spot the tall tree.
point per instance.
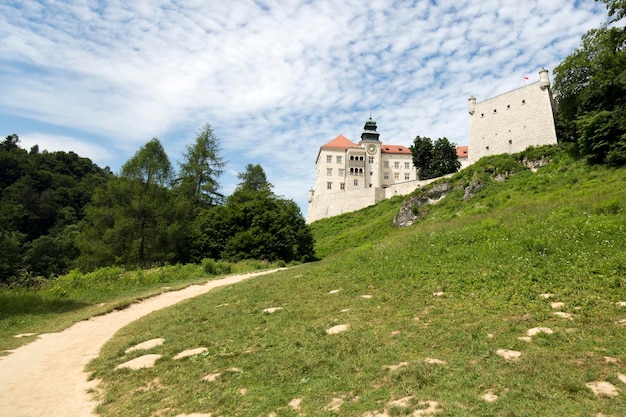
(133, 220)
(590, 86)
(201, 168)
(254, 224)
(434, 159)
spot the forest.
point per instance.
(60, 211)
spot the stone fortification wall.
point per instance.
(333, 204)
(513, 121)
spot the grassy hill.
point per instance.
(416, 320)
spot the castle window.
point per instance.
(396, 175)
(370, 160)
(407, 176)
(356, 183)
(361, 158)
(396, 165)
(329, 171)
(329, 185)
(342, 172)
(329, 158)
(482, 115)
(523, 101)
(386, 176)
(406, 165)
(360, 171)
(508, 106)
(338, 159)
(342, 185)
(386, 164)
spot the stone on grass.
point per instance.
(602, 389)
(609, 359)
(149, 344)
(536, 330)
(195, 415)
(438, 294)
(334, 404)
(272, 310)
(621, 304)
(525, 338)
(145, 361)
(295, 403)
(368, 296)
(190, 352)
(333, 291)
(395, 367)
(211, 377)
(509, 355)
(19, 336)
(563, 315)
(489, 396)
(557, 304)
(433, 361)
(621, 377)
(337, 329)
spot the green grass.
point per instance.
(560, 230)
(56, 304)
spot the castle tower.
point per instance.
(369, 131)
(513, 121)
(544, 82)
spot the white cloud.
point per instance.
(53, 143)
(275, 79)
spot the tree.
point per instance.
(616, 8)
(253, 179)
(254, 224)
(133, 220)
(201, 168)
(590, 86)
(434, 159)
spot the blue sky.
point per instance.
(275, 79)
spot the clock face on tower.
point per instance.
(371, 149)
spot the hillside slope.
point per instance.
(511, 302)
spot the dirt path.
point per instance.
(47, 377)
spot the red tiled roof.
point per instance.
(340, 142)
(395, 149)
(461, 151)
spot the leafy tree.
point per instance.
(201, 168)
(253, 179)
(133, 220)
(434, 159)
(590, 86)
(41, 194)
(254, 224)
(150, 165)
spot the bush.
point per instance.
(213, 267)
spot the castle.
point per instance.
(350, 176)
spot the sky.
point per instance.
(276, 79)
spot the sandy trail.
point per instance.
(47, 377)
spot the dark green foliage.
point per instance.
(434, 159)
(590, 86)
(200, 170)
(41, 194)
(133, 220)
(254, 224)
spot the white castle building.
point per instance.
(350, 176)
(513, 121)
